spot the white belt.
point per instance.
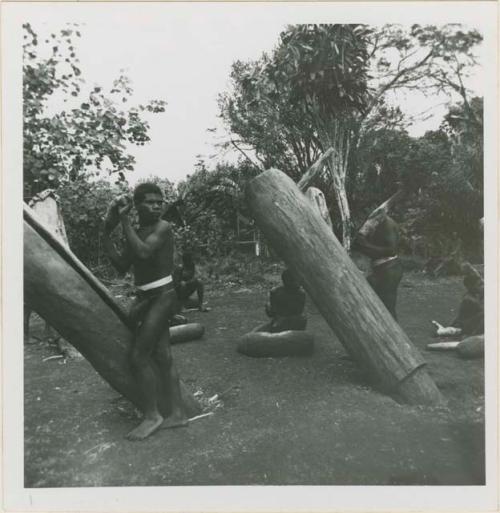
(380, 261)
(155, 284)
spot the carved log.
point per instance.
(260, 344)
(186, 332)
(342, 295)
(317, 198)
(68, 296)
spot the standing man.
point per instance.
(378, 239)
(149, 249)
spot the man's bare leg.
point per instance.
(170, 384)
(147, 338)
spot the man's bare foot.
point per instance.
(173, 421)
(204, 309)
(145, 428)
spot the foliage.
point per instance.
(457, 194)
(91, 132)
(382, 165)
(280, 102)
(427, 58)
(208, 204)
(83, 206)
(332, 86)
(303, 99)
(443, 170)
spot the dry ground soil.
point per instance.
(288, 421)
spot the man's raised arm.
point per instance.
(121, 261)
(147, 247)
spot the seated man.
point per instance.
(286, 306)
(186, 284)
(470, 317)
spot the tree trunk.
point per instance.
(338, 138)
(344, 298)
(66, 294)
(345, 213)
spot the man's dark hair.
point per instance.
(145, 188)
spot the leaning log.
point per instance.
(343, 296)
(317, 198)
(71, 299)
(314, 171)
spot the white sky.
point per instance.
(182, 54)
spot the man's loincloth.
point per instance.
(145, 298)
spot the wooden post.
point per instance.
(68, 296)
(317, 198)
(314, 171)
(351, 308)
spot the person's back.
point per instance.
(286, 306)
(287, 302)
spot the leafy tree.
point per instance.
(459, 192)
(379, 169)
(331, 85)
(207, 207)
(83, 205)
(303, 99)
(93, 130)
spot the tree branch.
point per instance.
(246, 156)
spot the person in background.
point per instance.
(186, 284)
(286, 306)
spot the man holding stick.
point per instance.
(378, 239)
(149, 250)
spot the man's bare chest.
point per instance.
(143, 232)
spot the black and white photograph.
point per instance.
(249, 256)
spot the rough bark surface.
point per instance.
(317, 198)
(66, 294)
(341, 293)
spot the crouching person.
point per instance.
(149, 249)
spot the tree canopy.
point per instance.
(333, 86)
(93, 128)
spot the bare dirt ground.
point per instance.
(309, 421)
